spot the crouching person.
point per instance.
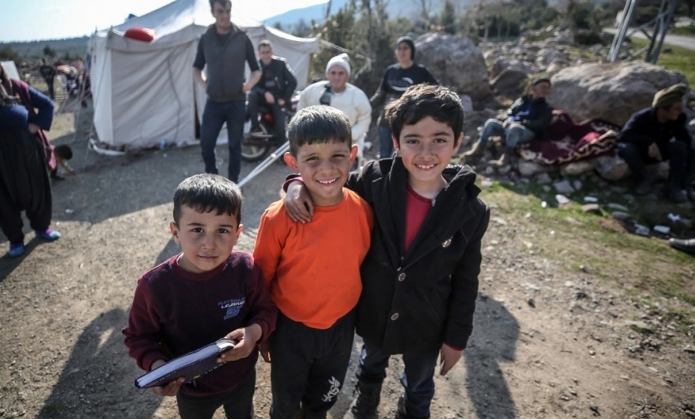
(656, 134)
(528, 119)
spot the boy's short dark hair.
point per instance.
(207, 193)
(265, 43)
(318, 124)
(63, 151)
(425, 100)
(222, 2)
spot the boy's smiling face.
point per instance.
(324, 168)
(426, 148)
(206, 238)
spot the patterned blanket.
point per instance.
(570, 142)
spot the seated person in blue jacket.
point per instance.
(273, 90)
(527, 119)
(656, 134)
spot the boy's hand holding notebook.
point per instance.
(186, 367)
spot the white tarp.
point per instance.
(145, 92)
(11, 69)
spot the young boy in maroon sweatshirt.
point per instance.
(204, 293)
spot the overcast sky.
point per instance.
(27, 20)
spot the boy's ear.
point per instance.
(396, 146)
(458, 142)
(238, 232)
(291, 161)
(175, 232)
(353, 153)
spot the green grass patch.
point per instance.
(596, 242)
(673, 58)
(686, 30)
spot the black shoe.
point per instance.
(367, 401)
(402, 413)
(55, 176)
(687, 246)
(645, 186)
(255, 131)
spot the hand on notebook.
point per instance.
(170, 389)
(246, 339)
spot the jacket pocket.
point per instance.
(435, 303)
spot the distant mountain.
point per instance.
(33, 50)
(407, 8)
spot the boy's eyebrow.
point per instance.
(436, 134)
(203, 225)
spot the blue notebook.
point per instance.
(190, 366)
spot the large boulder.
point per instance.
(510, 83)
(609, 91)
(456, 61)
(503, 63)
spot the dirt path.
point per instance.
(550, 341)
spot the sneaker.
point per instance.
(402, 413)
(16, 250)
(687, 246)
(676, 194)
(56, 176)
(366, 403)
(504, 160)
(256, 131)
(475, 152)
(645, 186)
(48, 234)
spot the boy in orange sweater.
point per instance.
(313, 269)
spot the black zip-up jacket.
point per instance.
(544, 115)
(280, 75)
(416, 301)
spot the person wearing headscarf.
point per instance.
(338, 93)
(397, 79)
(25, 159)
(528, 119)
(656, 134)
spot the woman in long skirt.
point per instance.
(25, 158)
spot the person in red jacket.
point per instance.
(204, 293)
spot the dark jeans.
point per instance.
(385, 142)
(279, 113)
(417, 378)
(237, 403)
(677, 152)
(51, 92)
(308, 366)
(214, 116)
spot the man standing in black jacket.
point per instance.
(273, 90)
(655, 134)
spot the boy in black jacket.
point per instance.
(420, 277)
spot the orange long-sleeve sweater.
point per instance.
(313, 269)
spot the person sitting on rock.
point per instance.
(527, 119)
(656, 134)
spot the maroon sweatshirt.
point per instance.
(175, 311)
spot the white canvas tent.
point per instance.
(145, 92)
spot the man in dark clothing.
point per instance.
(222, 50)
(274, 90)
(528, 119)
(397, 79)
(48, 72)
(655, 134)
